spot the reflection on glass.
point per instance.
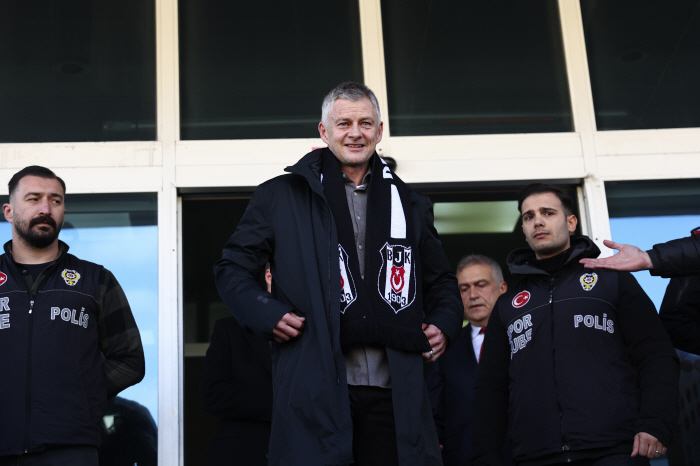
(77, 71)
(643, 61)
(120, 233)
(261, 69)
(474, 67)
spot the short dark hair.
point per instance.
(33, 170)
(539, 188)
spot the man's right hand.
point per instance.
(289, 326)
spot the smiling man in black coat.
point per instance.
(362, 295)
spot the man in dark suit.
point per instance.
(236, 386)
(450, 380)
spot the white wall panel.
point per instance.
(494, 169)
(650, 167)
(420, 159)
(650, 142)
(81, 154)
(100, 180)
(244, 152)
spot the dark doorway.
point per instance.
(469, 220)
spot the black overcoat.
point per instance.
(289, 223)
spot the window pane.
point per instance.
(252, 70)
(120, 233)
(474, 67)
(74, 71)
(643, 60)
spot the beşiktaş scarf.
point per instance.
(386, 308)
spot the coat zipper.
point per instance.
(28, 398)
(330, 272)
(565, 447)
(30, 337)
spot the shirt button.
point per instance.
(24, 271)
(355, 193)
(358, 217)
(360, 246)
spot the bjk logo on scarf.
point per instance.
(397, 281)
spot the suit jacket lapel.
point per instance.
(470, 350)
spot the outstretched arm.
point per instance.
(629, 259)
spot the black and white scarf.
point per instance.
(386, 307)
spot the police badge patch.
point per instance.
(588, 280)
(71, 277)
(348, 293)
(397, 280)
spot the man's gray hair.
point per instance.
(348, 91)
(478, 259)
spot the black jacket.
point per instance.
(450, 384)
(236, 386)
(680, 313)
(68, 344)
(680, 309)
(575, 363)
(676, 258)
(289, 222)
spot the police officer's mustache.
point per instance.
(43, 219)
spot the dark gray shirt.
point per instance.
(366, 365)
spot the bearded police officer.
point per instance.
(356, 262)
(575, 364)
(67, 336)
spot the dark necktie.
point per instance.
(481, 332)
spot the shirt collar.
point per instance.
(475, 331)
(365, 179)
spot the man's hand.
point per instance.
(437, 340)
(629, 259)
(289, 326)
(647, 445)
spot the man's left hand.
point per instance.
(647, 445)
(437, 339)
